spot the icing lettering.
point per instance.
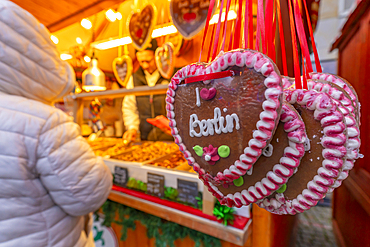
(210, 126)
(198, 99)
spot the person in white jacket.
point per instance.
(50, 180)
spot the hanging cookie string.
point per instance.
(282, 39)
(211, 44)
(302, 35)
(317, 61)
(210, 10)
(261, 32)
(225, 24)
(268, 26)
(217, 35)
(297, 72)
(236, 41)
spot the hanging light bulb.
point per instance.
(118, 16)
(110, 15)
(85, 23)
(79, 40)
(93, 78)
(87, 59)
(54, 39)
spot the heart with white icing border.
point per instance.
(122, 69)
(190, 17)
(243, 115)
(324, 160)
(164, 59)
(141, 24)
(273, 169)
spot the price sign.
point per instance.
(120, 176)
(187, 191)
(155, 185)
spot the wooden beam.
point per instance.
(78, 15)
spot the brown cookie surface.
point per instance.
(241, 95)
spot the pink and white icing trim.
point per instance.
(334, 153)
(268, 117)
(296, 132)
(353, 143)
(343, 84)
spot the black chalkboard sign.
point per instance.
(187, 191)
(155, 185)
(120, 175)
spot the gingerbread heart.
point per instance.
(245, 109)
(140, 25)
(164, 60)
(122, 69)
(324, 157)
(273, 168)
(189, 17)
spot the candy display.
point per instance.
(148, 151)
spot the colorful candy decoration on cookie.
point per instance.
(324, 158)
(273, 169)
(236, 97)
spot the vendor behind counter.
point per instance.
(137, 109)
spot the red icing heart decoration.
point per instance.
(140, 25)
(246, 110)
(208, 94)
(189, 17)
(164, 59)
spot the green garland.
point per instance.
(164, 232)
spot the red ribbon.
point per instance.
(210, 47)
(297, 73)
(250, 23)
(269, 23)
(215, 44)
(317, 61)
(225, 24)
(261, 34)
(282, 39)
(211, 76)
(302, 35)
(210, 10)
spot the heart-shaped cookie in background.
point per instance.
(122, 69)
(324, 157)
(243, 114)
(189, 17)
(141, 24)
(176, 40)
(164, 59)
(273, 169)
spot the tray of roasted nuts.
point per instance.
(173, 160)
(147, 152)
(104, 143)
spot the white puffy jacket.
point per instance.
(49, 177)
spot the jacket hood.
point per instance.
(30, 65)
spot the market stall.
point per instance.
(157, 198)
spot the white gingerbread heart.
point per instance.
(164, 59)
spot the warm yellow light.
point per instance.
(164, 31)
(230, 16)
(85, 23)
(79, 40)
(110, 15)
(93, 88)
(54, 39)
(65, 56)
(118, 16)
(112, 43)
(158, 32)
(87, 59)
